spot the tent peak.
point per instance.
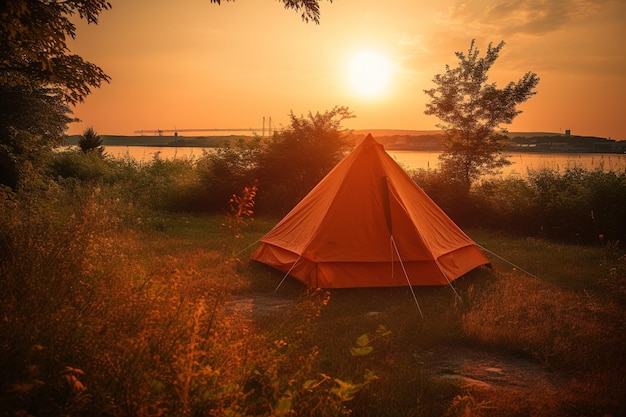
(369, 141)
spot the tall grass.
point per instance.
(112, 306)
(103, 318)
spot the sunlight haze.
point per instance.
(194, 64)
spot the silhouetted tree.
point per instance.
(34, 50)
(310, 8)
(472, 112)
(39, 76)
(90, 141)
(33, 121)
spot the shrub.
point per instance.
(449, 194)
(225, 172)
(166, 184)
(580, 205)
(87, 167)
(508, 204)
(576, 205)
(293, 161)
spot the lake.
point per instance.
(413, 159)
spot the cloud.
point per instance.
(523, 17)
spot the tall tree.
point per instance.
(33, 120)
(34, 49)
(472, 111)
(40, 77)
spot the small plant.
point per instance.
(240, 211)
(468, 406)
(364, 342)
(616, 281)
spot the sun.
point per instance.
(369, 73)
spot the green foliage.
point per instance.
(297, 158)
(286, 167)
(39, 77)
(86, 167)
(167, 184)
(22, 158)
(581, 205)
(229, 169)
(364, 342)
(448, 192)
(34, 50)
(310, 8)
(574, 205)
(471, 111)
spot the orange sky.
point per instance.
(193, 64)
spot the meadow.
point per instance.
(115, 302)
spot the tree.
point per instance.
(296, 159)
(40, 78)
(34, 50)
(90, 141)
(472, 112)
(310, 8)
(33, 121)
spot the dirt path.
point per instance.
(259, 303)
(495, 381)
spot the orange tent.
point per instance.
(367, 224)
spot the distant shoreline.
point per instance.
(397, 140)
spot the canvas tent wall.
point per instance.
(366, 224)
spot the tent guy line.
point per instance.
(507, 261)
(393, 243)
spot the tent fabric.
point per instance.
(363, 225)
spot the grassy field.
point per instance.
(165, 315)
(562, 329)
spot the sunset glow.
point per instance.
(196, 64)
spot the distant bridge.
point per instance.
(160, 132)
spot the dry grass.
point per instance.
(112, 311)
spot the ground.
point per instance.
(491, 381)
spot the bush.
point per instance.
(580, 205)
(87, 167)
(285, 167)
(509, 204)
(225, 172)
(295, 160)
(449, 194)
(170, 184)
(576, 205)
